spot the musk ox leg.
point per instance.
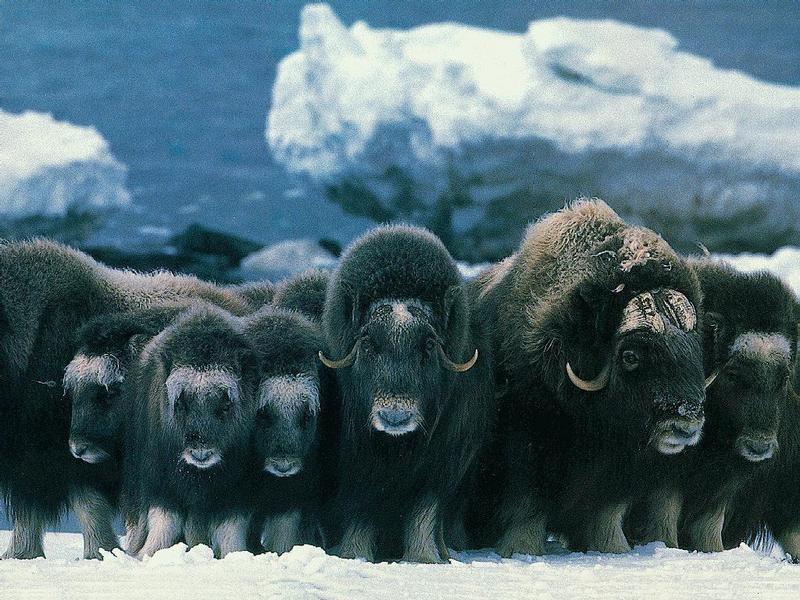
(136, 535)
(283, 532)
(441, 545)
(164, 529)
(524, 527)
(704, 533)
(230, 536)
(359, 541)
(420, 539)
(789, 540)
(26, 537)
(456, 532)
(604, 530)
(196, 531)
(663, 515)
(95, 513)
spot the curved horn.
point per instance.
(593, 385)
(457, 367)
(342, 362)
(710, 379)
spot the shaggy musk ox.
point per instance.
(47, 292)
(187, 446)
(304, 293)
(256, 293)
(598, 356)
(287, 486)
(749, 344)
(415, 393)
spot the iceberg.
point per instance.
(50, 168)
(476, 132)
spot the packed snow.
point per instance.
(286, 258)
(651, 571)
(49, 167)
(510, 125)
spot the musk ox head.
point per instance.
(749, 342)
(206, 377)
(622, 343)
(289, 404)
(396, 319)
(94, 378)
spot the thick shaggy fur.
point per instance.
(255, 293)
(304, 293)
(47, 292)
(566, 460)
(288, 486)
(398, 490)
(193, 387)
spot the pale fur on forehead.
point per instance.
(103, 369)
(400, 308)
(287, 392)
(195, 381)
(773, 347)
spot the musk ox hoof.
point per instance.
(428, 558)
(511, 545)
(22, 553)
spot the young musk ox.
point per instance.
(47, 292)
(414, 387)
(305, 293)
(187, 447)
(599, 360)
(287, 486)
(748, 349)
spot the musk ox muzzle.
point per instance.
(84, 450)
(201, 458)
(283, 467)
(395, 414)
(756, 448)
(672, 436)
(648, 311)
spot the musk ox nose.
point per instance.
(201, 455)
(395, 417)
(284, 467)
(78, 448)
(673, 435)
(686, 430)
(757, 449)
(202, 458)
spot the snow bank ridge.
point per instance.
(48, 167)
(571, 107)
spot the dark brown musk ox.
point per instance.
(749, 344)
(416, 394)
(304, 292)
(187, 445)
(47, 292)
(598, 358)
(288, 486)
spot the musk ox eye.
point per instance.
(630, 360)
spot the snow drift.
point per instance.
(50, 167)
(476, 132)
(284, 259)
(306, 572)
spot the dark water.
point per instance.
(181, 89)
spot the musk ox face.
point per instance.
(205, 407)
(93, 384)
(750, 389)
(398, 366)
(653, 379)
(286, 422)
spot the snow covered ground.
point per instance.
(505, 126)
(48, 167)
(306, 572)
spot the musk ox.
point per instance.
(47, 292)
(287, 485)
(187, 446)
(598, 358)
(415, 393)
(750, 337)
(304, 293)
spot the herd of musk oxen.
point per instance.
(595, 387)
